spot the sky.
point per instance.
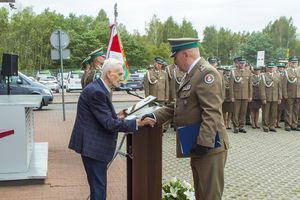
(237, 15)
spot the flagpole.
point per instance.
(116, 16)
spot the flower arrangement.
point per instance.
(178, 191)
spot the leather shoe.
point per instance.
(295, 129)
(243, 130)
(266, 130)
(235, 131)
(273, 129)
(298, 125)
(249, 123)
(254, 127)
(287, 129)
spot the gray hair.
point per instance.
(110, 64)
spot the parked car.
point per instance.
(135, 82)
(74, 80)
(50, 82)
(65, 79)
(42, 73)
(21, 84)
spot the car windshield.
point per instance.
(77, 76)
(48, 78)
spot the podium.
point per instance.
(144, 164)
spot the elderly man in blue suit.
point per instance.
(97, 125)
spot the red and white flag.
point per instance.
(115, 50)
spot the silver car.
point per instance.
(50, 82)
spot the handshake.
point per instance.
(147, 121)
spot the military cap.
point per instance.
(280, 65)
(271, 64)
(228, 68)
(85, 61)
(159, 60)
(293, 59)
(256, 67)
(213, 59)
(165, 63)
(247, 63)
(236, 59)
(242, 59)
(221, 67)
(150, 67)
(178, 44)
(98, 52)
(90, 60)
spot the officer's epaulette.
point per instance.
(202, 68)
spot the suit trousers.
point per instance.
(291, 114)
(208, 175)
(97, 177)
(239, 113)
(269, 113)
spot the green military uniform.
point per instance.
(88, 60)
(95, 71)
(178, 77)
(248, 117)
(227, 105)
(256, 102)
(240, 88)
(291, 89)
(216, 59)
(199, 100)
(270, 90)
(281, 106)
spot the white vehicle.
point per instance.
(65, 79)
(42, 73)
(50, 82)
(74, 80)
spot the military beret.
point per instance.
(159, 60)
(293, 59)
(271, 64)
(178, 44)
(98, 52)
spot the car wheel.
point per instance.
(67, 90)
(40, 107)
(57, 91)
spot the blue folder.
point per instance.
(188, 138)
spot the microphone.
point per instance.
(123, 89)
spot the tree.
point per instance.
(154, 31)
(186, 30)
(170, 29)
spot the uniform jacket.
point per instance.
(240, 85)
(96, 126)
(160, 88)
(272, 93)
(226, 83)
(83, 81)
(175, 80)
(255, 85)
(91, 76)
(292, 90)
(223, 84)
(199, 100)
(170, 70)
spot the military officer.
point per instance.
(227, 106)
(156, 83)
(281, 107)
(255, 104)
(199, 100)
(213, 61)
(291, 94)
(150, 67)
(98, 58)
(221, 69)
(164, 66)
(236, 62)
(240, 89)
(270, 95)
(85, 67)
(248, 119)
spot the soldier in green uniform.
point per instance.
(248, 118)
(240, 88)
(270, 95)
(227, 107)
(236, 62)
(85, 67)
(291, 94)
(213, 61)
(150, 67)
(255, 104)
(164, 66)
(98, 57)
(221, 69)
(281, 107)
(156, 83)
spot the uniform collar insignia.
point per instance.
(186, 88)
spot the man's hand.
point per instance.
(146, 122)
(285, 97)
(148, 115)
(199, 150)
(122, 114)
(249, 99)
(279, 101)
(232, 99)
(264, 101)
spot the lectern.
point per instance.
(144, 164)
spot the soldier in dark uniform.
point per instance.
(281, 107)
(227, 107)
(98, 57)
(270, 94)
(255, 105)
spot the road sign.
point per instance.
(260, 58)
(55, 55)
(64, 37)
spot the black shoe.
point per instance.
(229, 128)
(287, 129)
(295, 129)
(266, 130)
(277, 126)
(254, 127)
(249, 123)
(163, 131)
(172, 125)
(273, 129)
(298, 125)
(235, 131)
(242, 130)
(258, 127)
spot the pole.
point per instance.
(62, 74)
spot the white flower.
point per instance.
(173, 180)
(186, 185)
(189, 195)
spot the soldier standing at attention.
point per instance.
(236, 62)
(281, 107)
(98, 57)
(156, 83)
(240, 89)
(248, 118)
(85, 67)
(199, 100)
(255, 104)
(270, 94)
(227, 106)
(291, 94)
(213, 61)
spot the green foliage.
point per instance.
(178, 191)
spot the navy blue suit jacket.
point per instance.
(96, 126)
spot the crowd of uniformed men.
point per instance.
(246, 89)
